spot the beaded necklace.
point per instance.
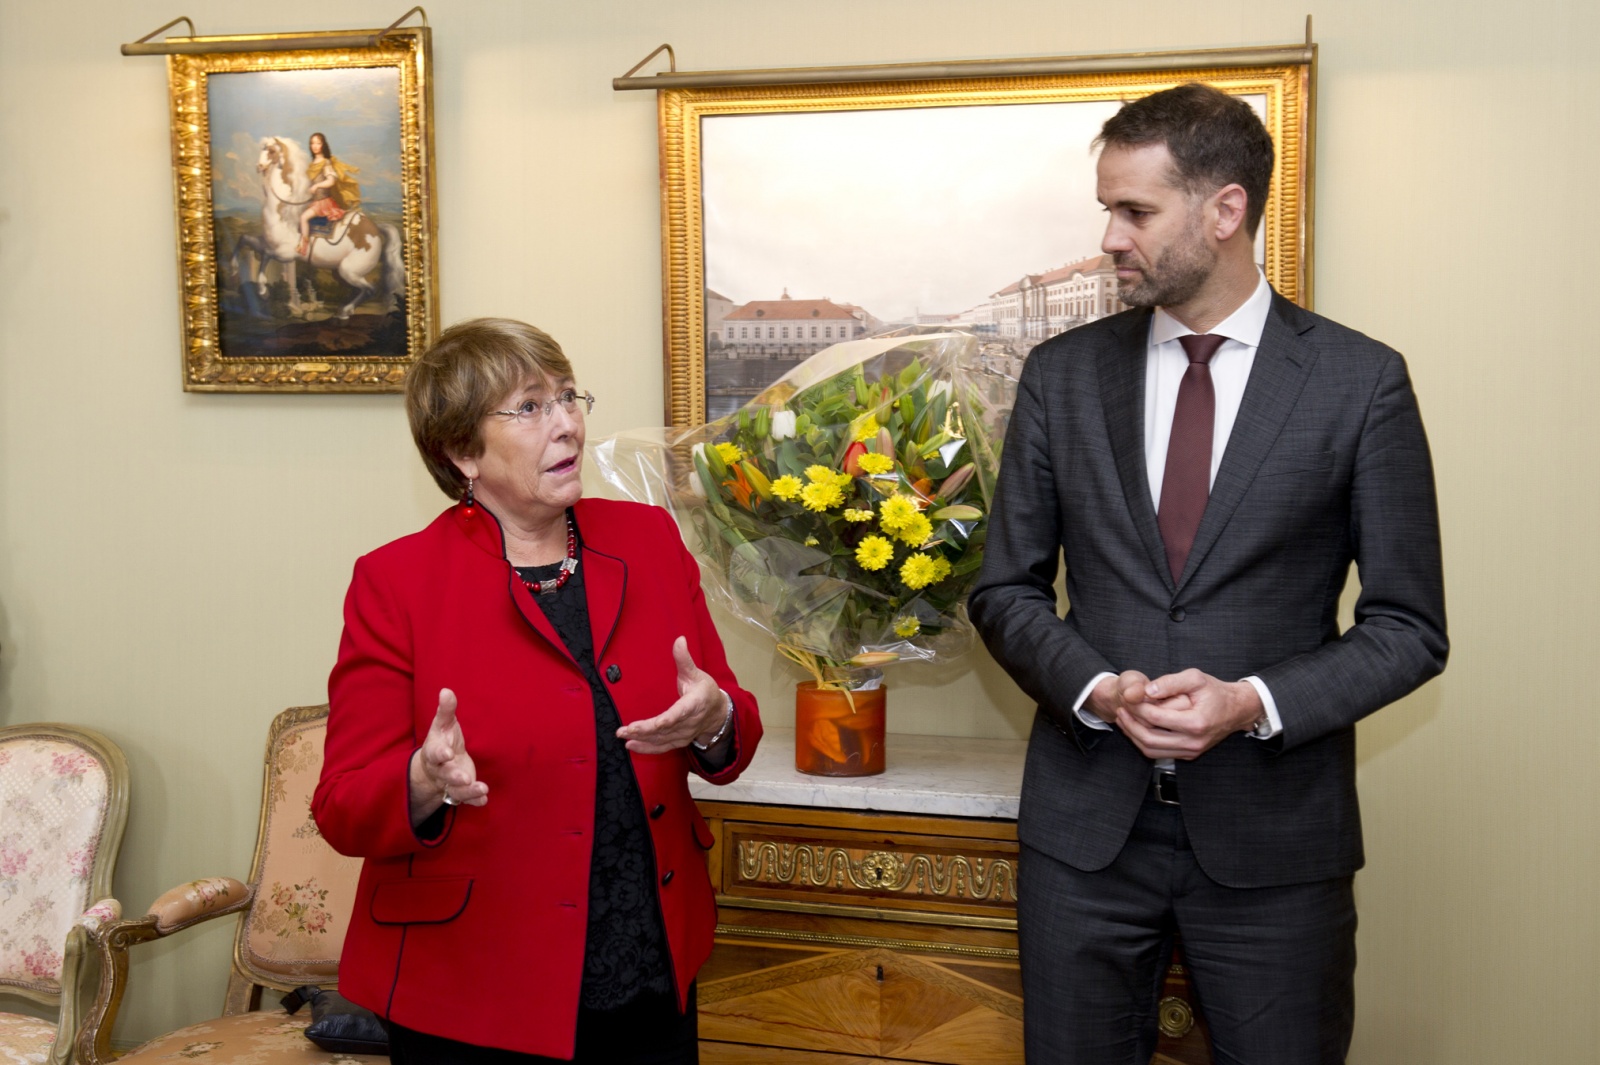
(568, 564)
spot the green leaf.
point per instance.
(967, 565)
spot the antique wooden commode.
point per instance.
(873, 919)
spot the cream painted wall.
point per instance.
(171, 565)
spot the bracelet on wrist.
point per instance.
(722, 729)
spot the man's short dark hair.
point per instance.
(1215, 140)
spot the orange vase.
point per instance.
(832, 738)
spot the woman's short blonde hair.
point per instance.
(471, 369)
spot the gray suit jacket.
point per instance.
(1327, 465)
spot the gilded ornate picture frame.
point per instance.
(853, 208)
(305, 210)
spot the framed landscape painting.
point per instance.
(795, 216)
(306, 227)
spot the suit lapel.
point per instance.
(1122, 379)
(1283, 362)
(604, 580)
(534, 615)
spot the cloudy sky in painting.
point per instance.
(924, 210)
(358, 111)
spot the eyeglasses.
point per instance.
(533, 411)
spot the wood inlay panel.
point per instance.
(860, 938)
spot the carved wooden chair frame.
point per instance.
(190, 904)
(69, 1000)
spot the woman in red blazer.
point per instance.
(522, 690)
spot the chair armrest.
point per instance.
(70, 1016)
(183, 906)
(100, 914)
(196, 901)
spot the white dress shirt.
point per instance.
(1165, 365)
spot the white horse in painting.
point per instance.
(365, 244)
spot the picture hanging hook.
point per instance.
(159, 29)
(396, 23)
(672, 61)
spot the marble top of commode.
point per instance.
(946, 775)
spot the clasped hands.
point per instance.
(443, 773)
(1179, 716)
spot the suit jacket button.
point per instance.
(666, 878)
(657, 810)
(613, 673)
(1177, 614)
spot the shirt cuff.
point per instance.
(1273, 725)
(1087, 716)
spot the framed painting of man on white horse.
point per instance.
(306, 229)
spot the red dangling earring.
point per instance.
(469, 510)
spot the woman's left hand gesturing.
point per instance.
(699, 712)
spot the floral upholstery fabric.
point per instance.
(24, 1040)
(302, 908)
(269, 1036)
(53, 806)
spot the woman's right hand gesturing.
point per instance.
(442, 772)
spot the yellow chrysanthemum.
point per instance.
(821, 495)
(918, 572)
(857, 515)
(729, 453)
(819, 474)
(874, 553)
(874, 463)
(941, 568)
(786, 488)
(867, 429)
(907, 627)
(916, 530)
(896, 511)
(811, 541)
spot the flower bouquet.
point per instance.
(843, 511)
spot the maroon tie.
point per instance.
(1187, 482)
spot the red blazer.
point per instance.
(478, 935)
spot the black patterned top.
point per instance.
(625, 951)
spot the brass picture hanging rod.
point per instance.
(286, 42)
(1267, 55)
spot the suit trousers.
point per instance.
(1272, 968)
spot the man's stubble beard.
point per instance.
(1174, 278)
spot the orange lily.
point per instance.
(739, 487)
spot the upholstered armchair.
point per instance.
(294, 910)
(63, 807)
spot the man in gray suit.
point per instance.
(1207, 466)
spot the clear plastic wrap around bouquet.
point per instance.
(843, 510)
